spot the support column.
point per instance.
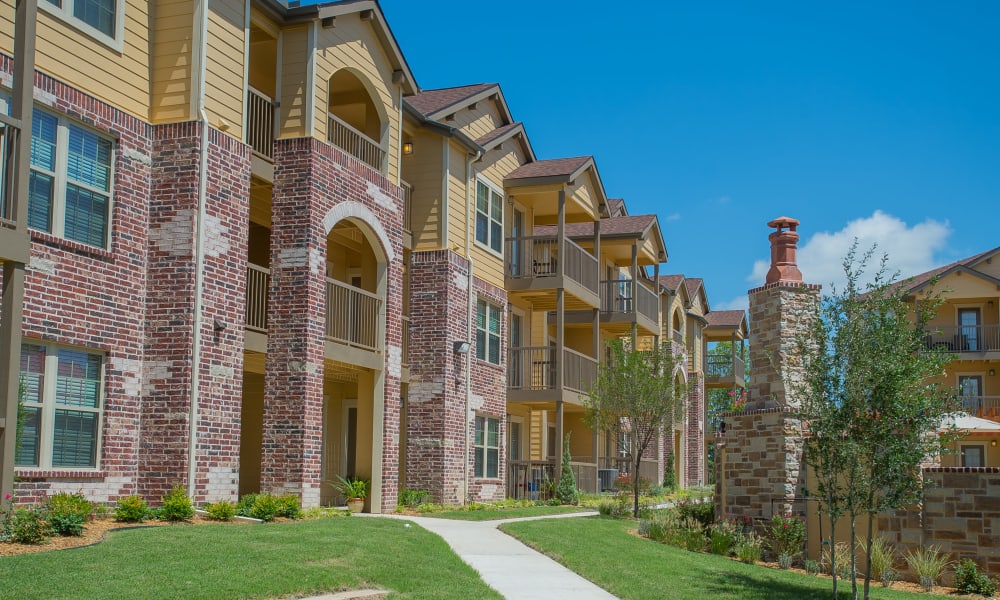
(10, 367)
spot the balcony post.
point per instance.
(561, 233)
(559, 439)
(635, 289)
(659, 312)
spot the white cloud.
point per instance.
(911, 250)
(737, 303)
(672, 217)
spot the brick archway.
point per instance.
(355, 210)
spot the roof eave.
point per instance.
(444, 130)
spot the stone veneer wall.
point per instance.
(960, 513)
(91, 298)
(758, 464)
(315, 186)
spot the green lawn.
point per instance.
(512, 512)
(248, 561)
(634, 568)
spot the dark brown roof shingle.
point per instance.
(725, 318)
(429, 102)
(549, 168)
(623, 226)
(499, 131)
(671, 282)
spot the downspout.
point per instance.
(469, 159)
(200, 49)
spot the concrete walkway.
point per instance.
(507, 565)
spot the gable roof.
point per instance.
(568, 168)
(726, 318)
(431, 102)
(671, 282)
(501, 134)
(628, 227)
(966, 265)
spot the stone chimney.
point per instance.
(784, 242)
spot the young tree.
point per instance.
(567, 493)
(636, 395)
(868, 399)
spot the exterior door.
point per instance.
(970, 390)
(969, 327)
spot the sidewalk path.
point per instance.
(507, 565)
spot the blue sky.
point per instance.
(872, 119)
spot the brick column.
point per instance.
(695, 433)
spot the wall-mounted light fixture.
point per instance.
(993, 372)
(993, 443)
(461, 347)
(407, 147)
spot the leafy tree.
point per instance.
(634, 398)
(868, 400)
(566, 492)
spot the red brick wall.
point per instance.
(695, 433)
(488, 398)
(312, 179)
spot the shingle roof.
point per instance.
(671, 282)
(624, 226)
(725, 318)
(549, 168)
(429, 102)
(919, 280)
(692, 284)
(499, 131)
(616, 205)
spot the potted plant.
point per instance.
(354, 490)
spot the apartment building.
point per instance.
(261, 257)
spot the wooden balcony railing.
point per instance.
(355, 143)
(981, 406)
(531, 368)
(538, 256)
(724, 366)
(579, 371)
(616, 297)
(352, 315)
(964, 338)
(258, 279)
(407, 206)
(10, 133)
(646, 301)
(530, 479)
(624, 465)
(260, 123)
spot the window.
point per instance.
(100, 19)
(62, 407)
(70, 186)
(973, 456)
(489, 217)
(488, 332)
(487, 462)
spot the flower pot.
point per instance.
(355, 505)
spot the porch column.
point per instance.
(635, 283)
(659, 305)
(559, 438)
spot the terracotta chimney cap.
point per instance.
(781, 222)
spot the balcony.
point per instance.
(724, 371)
(536, 263)
(260, 123)
(13, 232)
(355, 143)
(352, 314)
(618, 306)
(963, 339)
(535, 479)
(987, 407)
(531, 371)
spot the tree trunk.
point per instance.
(868, 555)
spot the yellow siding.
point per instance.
(423, 171)
(479, 122)
(224, 65)
(292, 113)
(173, 27)
(583, 192)
(353, 44)
(493, 167)
(118, 78)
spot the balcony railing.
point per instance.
(624, 465)
(616, 297)
(258, 279)
(964, 338)
(352, 315)
(355, 143)
(538, 256)
(260, 123)
(724, 366)
(407, 206)
(981, 406)
(530, 479)
(534, 368)
(9, 140)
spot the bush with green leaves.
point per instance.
(223, 510)
(413, 498)
(132, 509)
(968, 579)
(566, 491)
(750, 548)
(68, 513)
(30, 525)
(723, 536)
(928, 563)
(176, 506)
(786, 535)
(264, 507)
(812, 567)
(698, 509)
(288, 507)
(669, 475)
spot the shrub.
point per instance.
(785, 561)
(969, 580)
(68, 513)
(413, 498)
(701, 511)
(842, 556)
(927, 563)
(723, 537)
(176, 506)
(812, 567)
(883, 556)
(749, 549)
(223, 510)
(288, 507)
(888, 576)
(132, 509)
(566, 491)
(689, 535)
(617, 507)
(258, 506)
(30, 525)
(786, 535)
(669, 475)
(657, 490)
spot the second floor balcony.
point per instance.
(260, 123)
(532, 372)
(987, 407)
(964, 339)
(724, 371)
(546, 263)
(619, 303)
(355, 143)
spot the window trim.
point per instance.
(485, 447)
(961, 454)
(65, 13)
(60, 177)
(499, 194)
(48, 407)
(486, 332)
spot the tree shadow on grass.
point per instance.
(739, 585)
